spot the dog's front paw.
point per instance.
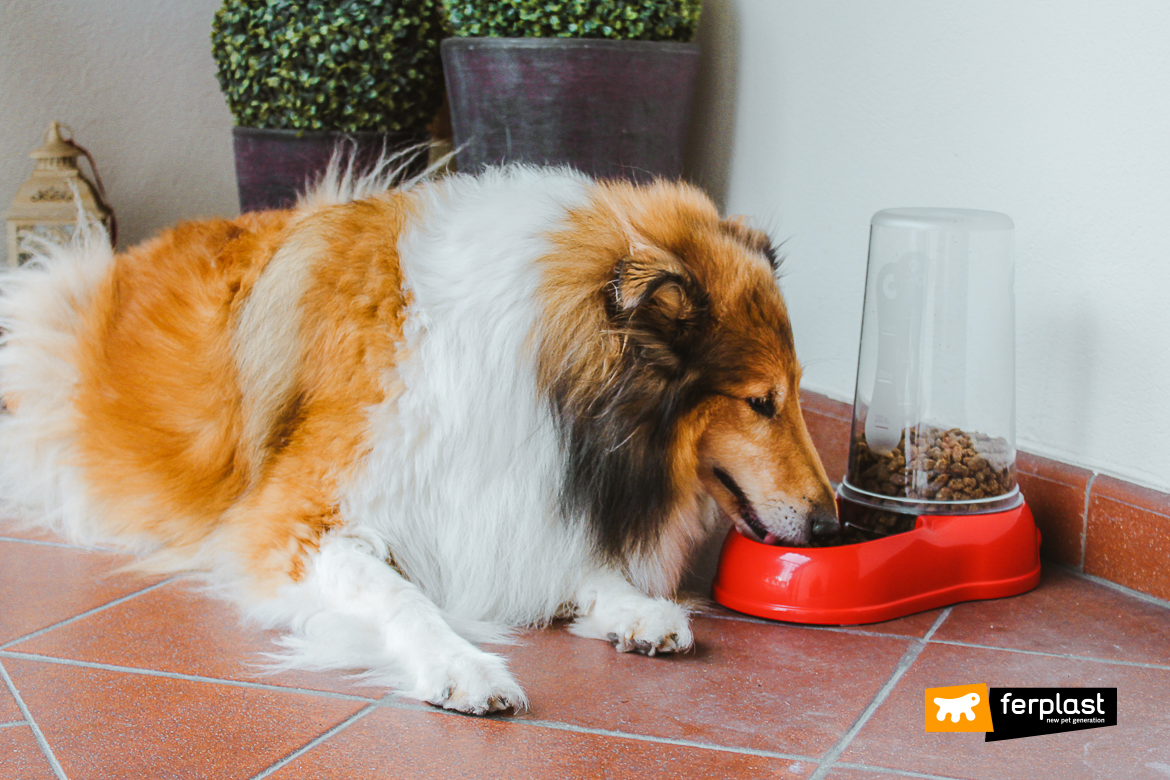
(639, 625)
(475, 683)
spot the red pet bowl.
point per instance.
(944, 560)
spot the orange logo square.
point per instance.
(958, 708)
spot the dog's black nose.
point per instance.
(823, 524)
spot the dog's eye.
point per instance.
(764, 406)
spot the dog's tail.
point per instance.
(43, 306)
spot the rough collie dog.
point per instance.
(397, 422)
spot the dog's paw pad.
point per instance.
(645, 626)
(477, 685)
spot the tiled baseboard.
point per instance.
(1094, 523)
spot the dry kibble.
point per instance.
(936, 464)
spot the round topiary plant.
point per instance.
(345, 65)
(649, 20)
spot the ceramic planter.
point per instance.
(273, 166)
(608, 108)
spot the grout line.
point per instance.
(67, 545)
(397, 703)
(559, 726)
(88, 612)
(784, 624)
(1085, 518)
(895, 772)
(1066, 656)
(1140, 507)
(861, 632)
(180, 676)
(14, 723)
(908, 658)
(36, 730)
(1137, 594)
(317, 740)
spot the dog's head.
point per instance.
(695, 385)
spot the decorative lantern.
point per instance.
(45, 207)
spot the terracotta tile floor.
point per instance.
(107, 675)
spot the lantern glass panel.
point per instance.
(30, 238)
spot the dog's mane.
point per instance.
(621, 397)
(621, 446)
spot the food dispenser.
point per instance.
(930, 510)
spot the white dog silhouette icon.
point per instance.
(963, 705)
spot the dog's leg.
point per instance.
(352, 610)
(610, 608)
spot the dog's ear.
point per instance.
(755, 240)
(658, 305)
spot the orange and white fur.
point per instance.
(396, 422)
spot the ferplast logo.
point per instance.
(1010, 713)
(958, 708)
(1028, 712)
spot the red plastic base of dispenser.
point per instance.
(944, 560)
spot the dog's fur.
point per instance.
(391, 422)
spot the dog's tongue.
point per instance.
(770, 539)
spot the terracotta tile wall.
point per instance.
(1091, 522)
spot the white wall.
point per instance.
(136, 82)
(818, 114)
(813, 115)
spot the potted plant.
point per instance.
(300, 77)
(604, 86)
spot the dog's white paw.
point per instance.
(476, 683)
(639, 625)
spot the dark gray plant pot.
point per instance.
(608, 108)
(274, 166)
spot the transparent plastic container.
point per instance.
(934, 408)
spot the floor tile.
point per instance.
(894, 736)
(21, 757)
(9, 711)
(828, 424)
(915, 625)
(1066, 614)
(871, 773)
(766, 687)
(393, 742)
(1055, 492)
(177, 629)
(1128, 536)
(41, 585)
(107, 725)
(19, 530)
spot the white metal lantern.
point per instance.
(46, 206)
